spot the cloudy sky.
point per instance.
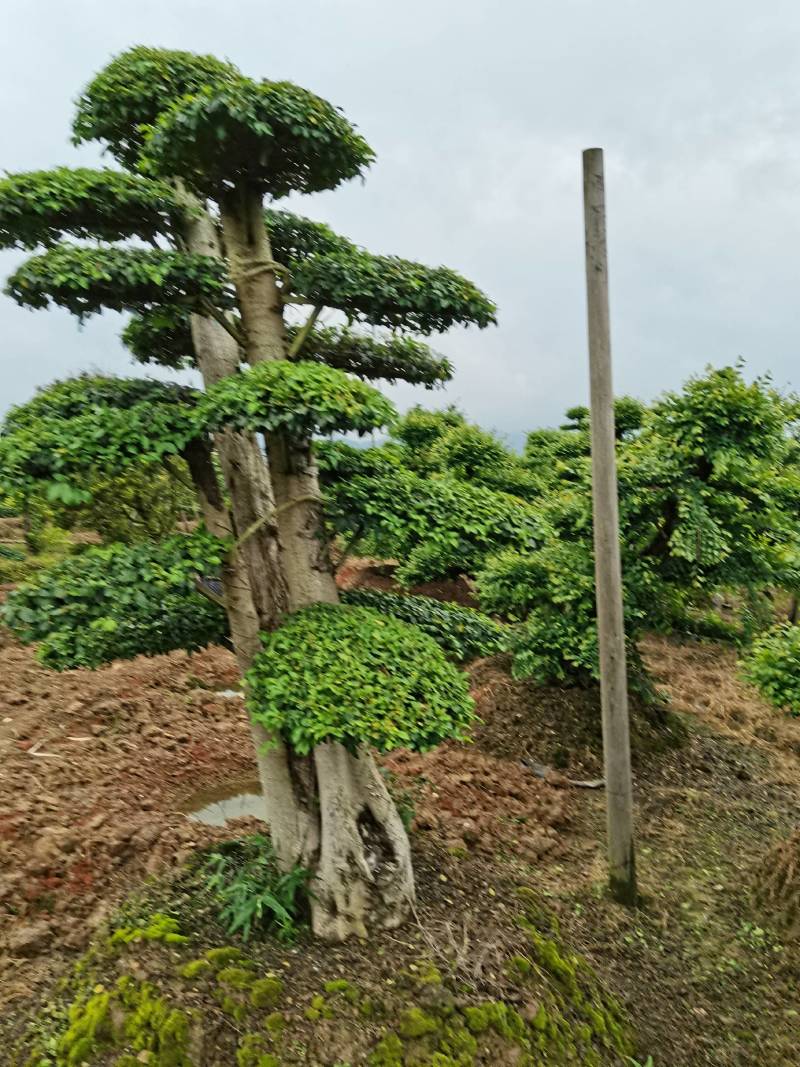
(478, 112)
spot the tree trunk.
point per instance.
(361, 857)
(304, 555)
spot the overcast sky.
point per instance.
(478, 112)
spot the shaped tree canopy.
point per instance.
(86, 280)
(90, 423)
(296, 398)
(132, 90)
(271, 136)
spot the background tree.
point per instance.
(201, 149)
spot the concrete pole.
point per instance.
(608, 569)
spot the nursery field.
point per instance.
(303, 757)
(99, 769)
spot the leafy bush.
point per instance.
(297, 398)
(119, 602)
(252, 892)
(461, 633)
(773, 666)
(437, 526)
(143, 504)
(352, 675)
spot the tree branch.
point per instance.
(306, 329)
(227, 324)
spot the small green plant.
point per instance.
(252, 892)
(773, 667)
(351, 675)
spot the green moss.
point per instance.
(252, 1053)
(131, 1015)
(235, 977)
(266, 992)
(477, 1019)
(275, 1023)
(343, 987)
(233, 1007)
(415, 1023)
(388, 1052)
(195, 969)
(519, 967)
(319, 1009)
(219, 957)
(159, 928)
(90, 1029)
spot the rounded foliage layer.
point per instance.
(90, 393)
(40, 207)
(298, 398)
(352, 675)
(461, 633)
(87, 280)
(390, 291)
(274, 136)
(90, 424)
(163, 336)
(131, 91)
(773, 667)
(393, 357)
(120, 601)
(329, 270)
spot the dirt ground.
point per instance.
(96, 768)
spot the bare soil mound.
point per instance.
(557, 726)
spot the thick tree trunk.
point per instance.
(253, 586)
(304, 555)
(360, 856)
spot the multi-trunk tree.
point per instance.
(214, 279)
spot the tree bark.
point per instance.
(304, 554)
(253, 586)
(361, 857)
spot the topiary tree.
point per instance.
(203, 152)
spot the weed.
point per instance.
(252, 892)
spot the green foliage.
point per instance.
(394, 357)
(85, 280)
(252, 893)
(390, 291)
(329, 270)
(468, 452)
(300, 399)
(162, 336)
(420, 429)
(41, 207)
(773, 666)
(553, 587)
(118, 602)
(133, 89)
(272, 136)
(436, 526)
(87, 424)
(629, 415)
(91, 394)
(462, 633)
(143, 504)
(352, 675)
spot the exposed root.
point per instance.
(363, 872)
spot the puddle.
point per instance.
(216, 807)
